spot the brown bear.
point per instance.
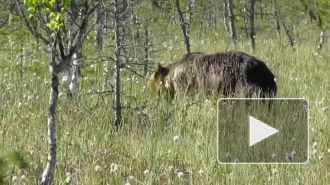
(222, 73)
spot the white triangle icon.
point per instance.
(259, 131)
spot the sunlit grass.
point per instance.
(89, 148)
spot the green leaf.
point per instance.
(31, 10)
(52, 3)
(52, 15)
(46, 10)
(52, 24)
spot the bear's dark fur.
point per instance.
(222, 73)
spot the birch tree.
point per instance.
(323, 13)
(60, 45)
(252, 28)
(225, 15)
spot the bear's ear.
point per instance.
(162, 70)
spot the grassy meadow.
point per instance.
(159, 142)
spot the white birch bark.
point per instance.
(252, 28)
(48, 174)
(232, 20)
(322, 41)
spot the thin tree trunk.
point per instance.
(277, 17)
(183, 26)
(76, 68)
(322, 41)
(310, 12)
(99, 22)
(74, 73)
(287, 32)
(225, 15)
(146, 49)
(261, 10)
(48, 174)
(243, 3)
(252, 29)
(232, 21)
(117, 67)
(189, 16)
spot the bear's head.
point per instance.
(157, 79)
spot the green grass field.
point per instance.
(165, 136)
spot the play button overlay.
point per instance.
(262, 131)
(259, 131)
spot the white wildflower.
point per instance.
(274, 170)
(14, 179)
(68, 179)
(201, 172)
(114, 167)
(23, 178)
(320, 102)
(176, 170)
(176, 139)
(146, 172)
(315, 145)
(288, 157)
(325, 109)
(180, 174)
(314, 151)
(274, 155)
(106, 151)
(98, 168)
(270, 179)
(29, 98)
(131, 178)
(295, 117)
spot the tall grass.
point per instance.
(91, 152)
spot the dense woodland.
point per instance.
(119, 42)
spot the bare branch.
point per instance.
(34, 32)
